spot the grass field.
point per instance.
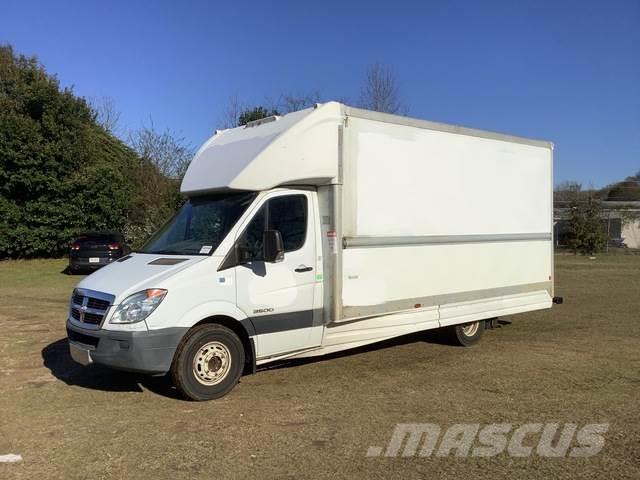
(579, 362)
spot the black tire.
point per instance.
(467, 334)
(196, 378)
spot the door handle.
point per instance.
(303, 268)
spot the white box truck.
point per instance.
(319, 231)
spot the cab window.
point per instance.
(287, 214)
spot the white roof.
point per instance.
(298, 148)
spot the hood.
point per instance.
(136, 272)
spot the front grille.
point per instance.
(93, 318)
(97, 303)
(82, 338)
(88, 309)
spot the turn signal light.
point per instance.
(155, 292)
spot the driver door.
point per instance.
(278, 297)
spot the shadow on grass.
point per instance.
(57, 359)
(438, 336)
(72, 272)
(433, 336)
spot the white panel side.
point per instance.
(375, 276)
(464, 312)
(402, 180)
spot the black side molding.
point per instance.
(558, 300)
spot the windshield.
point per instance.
(200, 225)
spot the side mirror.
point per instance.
(272, 246)
(236, 256)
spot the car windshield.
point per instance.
(96, 237)
(200, 225)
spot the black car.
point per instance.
(93, 250)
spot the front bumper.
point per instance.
(137, 351)
(85, 263)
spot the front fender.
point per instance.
(209, 309)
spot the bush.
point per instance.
(60, 172)
(628, 190)
(586, 232)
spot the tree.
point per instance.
(254, 114)
(380, 91)
(627, 190)
(237, 112)
(231, 114)
(586, 232)
(106, 114)
(168, 151)
(288, 103)
(60, 171)
(163, 159)
(568, 192)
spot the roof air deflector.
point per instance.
(261, 121)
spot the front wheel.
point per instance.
(467, 334)
(208, 362)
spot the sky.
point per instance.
(565, 71)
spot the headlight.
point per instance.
(138, 306)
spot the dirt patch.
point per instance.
(579, 362)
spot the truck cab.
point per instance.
(245, 261)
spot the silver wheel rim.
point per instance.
(471, 329)
(212, 363)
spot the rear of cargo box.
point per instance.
(442, 217)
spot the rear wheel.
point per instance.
(467, 334)
(208, 362)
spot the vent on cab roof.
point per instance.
(123, 259)
(261, 121)
(167, 261)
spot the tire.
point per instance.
(208, 362)
(467, 334)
